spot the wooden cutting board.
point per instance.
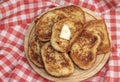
(78, 75)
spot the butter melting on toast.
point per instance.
(64, 33)
(45, 23)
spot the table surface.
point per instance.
(15, 18)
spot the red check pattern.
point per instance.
(15, 17)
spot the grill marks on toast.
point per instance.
(34, 52)
(45, 23)
(56, 63)
(83, 52)
(100, 27)
(61, 44)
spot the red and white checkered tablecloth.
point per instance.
(15, 17)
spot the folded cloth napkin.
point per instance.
(15, 17)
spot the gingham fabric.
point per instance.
(15, 18)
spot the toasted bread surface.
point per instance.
(83, 51)
(61, 44)
(99, 26)
(56, 63)
(34, 53)
(45, 23)
(74, 12)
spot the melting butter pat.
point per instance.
(65, 32)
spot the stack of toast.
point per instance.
(63, 39)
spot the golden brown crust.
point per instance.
(56, 63)
(34, 52)
(83, 52)
(74, 12)
(47, 49)
(46, 22)
(61, 44)
(99, 26)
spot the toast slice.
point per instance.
(74, 12)
(47, 20)
(56, 63)
(34, 53)
(99, 26)
(83, 51)
(45, 23)
(63, 44)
